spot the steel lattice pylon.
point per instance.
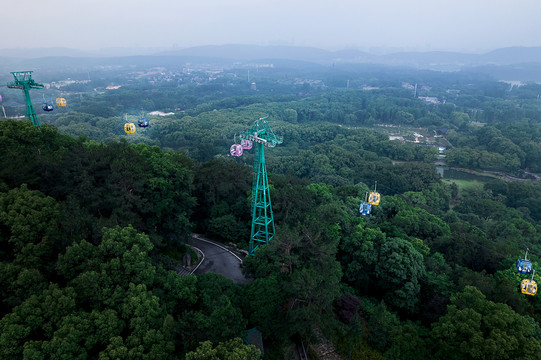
(24, 81)
(262, 219)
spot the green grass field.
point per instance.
(464, 184)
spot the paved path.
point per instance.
(218, 259)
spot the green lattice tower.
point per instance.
(262, 219)
(24, 81)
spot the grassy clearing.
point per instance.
(464, 184)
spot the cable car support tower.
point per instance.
(262, 220)
(24, 81)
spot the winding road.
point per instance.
(218, 259)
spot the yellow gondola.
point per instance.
(528, 287)
(129, 128)
(374, 196)
(60, 102)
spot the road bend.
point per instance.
(218, 259)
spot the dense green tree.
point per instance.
(122, 255)
(265, 299)
(296, 255)
(39, 314)
(419, 223)
(221, 187)
(374, 263)
(29, 228)
(233, 349)
(409, 341)
(399, 271)
(360, 251)
(106, 185)
(475, 328)
(216, 315)
(18, 283)
(382, 324)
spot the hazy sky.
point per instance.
(420, 25)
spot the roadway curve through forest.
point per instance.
(218, 259)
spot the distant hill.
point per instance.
(511, 62)
(504, 56)
(61, 51)
(513, 55)
(41, 52)
(254, 52)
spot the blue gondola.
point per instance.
(47, 106)
(524, 266)
(365, 208)
(142, 122)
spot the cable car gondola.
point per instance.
(246, 144)
(47, 106)
(529, 287)
(365, 208)
(236, 149)
(61, 102)
(142, 122)
(129, 128)
(524, 266)
(374, 197)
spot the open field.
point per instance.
(464, 184)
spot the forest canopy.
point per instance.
(92, 218)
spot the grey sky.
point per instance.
(419, 25)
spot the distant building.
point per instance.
(443, 131)
(159, 113)
(477, 123)
(430, 100)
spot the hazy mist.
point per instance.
(376, 26)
